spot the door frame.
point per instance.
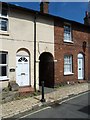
(81, 57)
(24, 55)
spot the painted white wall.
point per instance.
(21, 35)
(1, 43)
(45, 40)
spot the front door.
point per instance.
(80, 68)
(22, 70)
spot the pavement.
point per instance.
(16, 107)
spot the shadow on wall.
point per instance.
(46, 69)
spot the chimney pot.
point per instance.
(44, 6)
(87, 18)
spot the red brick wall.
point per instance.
(89, 55)
(80, 34)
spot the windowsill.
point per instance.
(4, 33)
(67, 41)
(4, 79)
(68, 73)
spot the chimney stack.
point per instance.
(44, 6)
(87, 17)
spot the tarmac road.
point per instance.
(78, 107)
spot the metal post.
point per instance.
(43, 99)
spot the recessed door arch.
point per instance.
(80, 66)
(46, 69)
(22, 68)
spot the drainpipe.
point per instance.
(35, 51)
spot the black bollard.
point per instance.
(43, 99)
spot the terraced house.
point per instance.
(36, 46)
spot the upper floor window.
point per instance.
(67, 33)
(3, 17)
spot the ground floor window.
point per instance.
(3, 65)
(67, 64)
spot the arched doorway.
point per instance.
(46, 69)
(80, 66)
(22, 68)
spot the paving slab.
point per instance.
(12, 108)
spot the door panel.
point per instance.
(22, 71)
(80, 69)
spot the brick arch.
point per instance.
(46, 69)
(81, 53)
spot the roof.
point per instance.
(45, 14)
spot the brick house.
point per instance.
(36, 46)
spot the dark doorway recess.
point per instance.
(46, 69)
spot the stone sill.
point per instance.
(65, 41)
(68, 73)
(4, 33)
(4, 79)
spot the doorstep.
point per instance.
(25, 90)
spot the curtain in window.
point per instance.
(67, 33)
(67, 64)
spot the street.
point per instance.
(78, 107)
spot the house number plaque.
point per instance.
(12, 70)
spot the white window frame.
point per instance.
(70, 34)
(5, 18)
(68, 62)
(6, 65)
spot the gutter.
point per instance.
(35, 16)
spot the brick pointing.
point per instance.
(79, 35)
(89, 56)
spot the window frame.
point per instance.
(5, 18)
(68, 40)
(70, 72)
(4, 65)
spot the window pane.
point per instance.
(3, 70)
(65, 68)
(4, 9)
(67, 32)
(3, 59)
(0, 59)
(69, 68)
(4, 23)
(67, 63)
(3, 64)
(25, 60)
(20, 60)
(4, 12)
